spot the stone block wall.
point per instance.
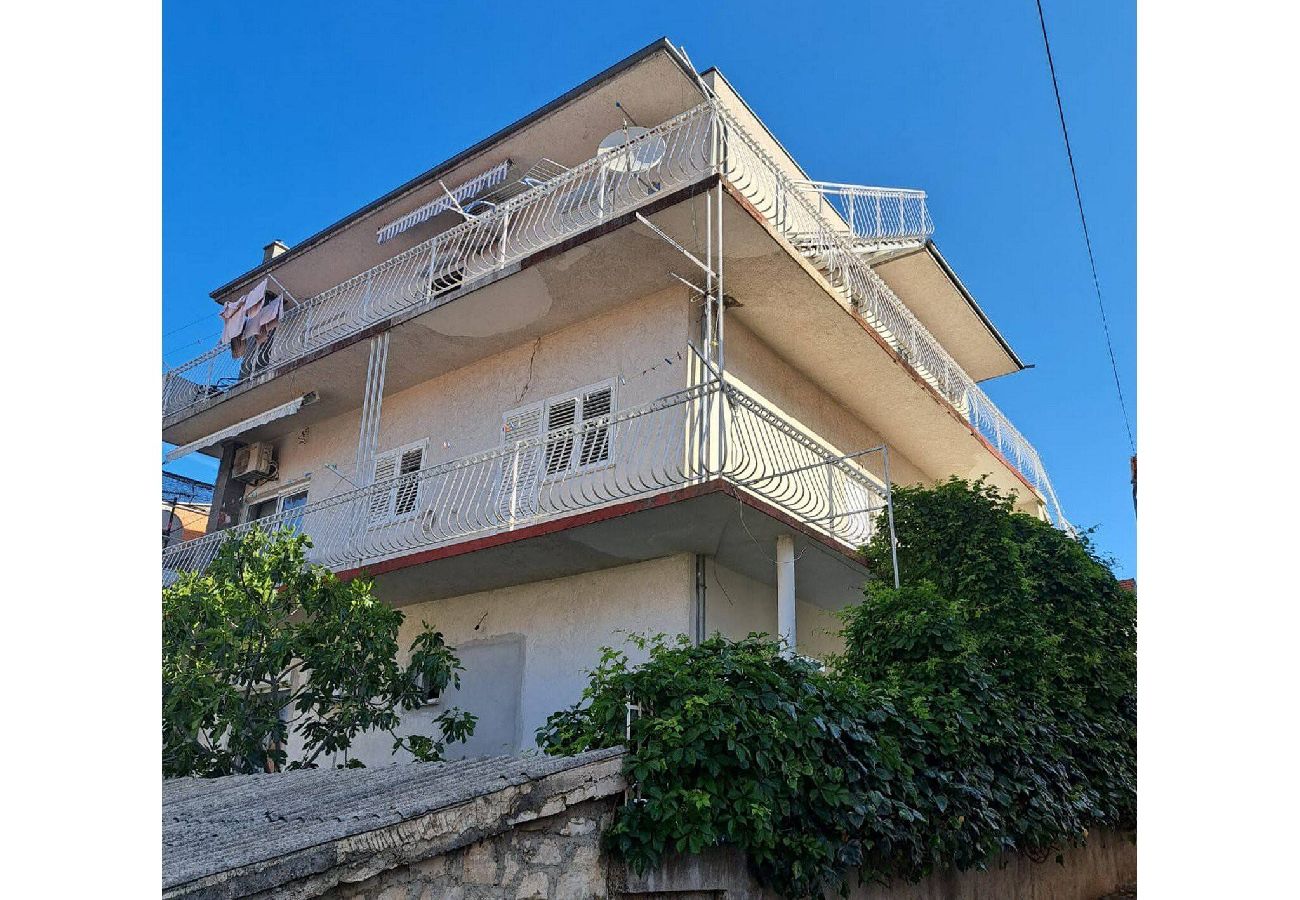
(559, 857)
(553, 857)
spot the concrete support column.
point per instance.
(785, 624)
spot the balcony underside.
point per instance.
(791, 307)
(714, 518)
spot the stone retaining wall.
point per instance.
(560, 857)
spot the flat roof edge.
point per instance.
(948, 270)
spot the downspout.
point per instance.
(701, 608)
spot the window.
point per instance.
(396, 491)
(550, 439)
(521, 466)
(577, 429)
(286, 502)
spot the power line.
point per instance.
(207, 318)
(1087, 238)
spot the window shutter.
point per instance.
(520, 468)
(596, 405)
(381, 500)
(561, 415)
(408, 489)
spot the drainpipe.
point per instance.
(785, 625)
(700, 611)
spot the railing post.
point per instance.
(830, 494)
(514, 485)
(505, 234)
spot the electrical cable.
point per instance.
(1087, 238)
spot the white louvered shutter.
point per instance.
(520, 466)
(596, 408)
(407, 492)
(381, 499)
(561, 417)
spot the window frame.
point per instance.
(575, 466)
(301, 486)
(391, 516)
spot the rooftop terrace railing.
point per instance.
(666, 444)
(788, 206)
(877, 218)
(830, 223)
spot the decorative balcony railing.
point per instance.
(877, 218)
(680, 151)
(685, 438)
(788, 206)
(609, 185)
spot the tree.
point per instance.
(263, 645)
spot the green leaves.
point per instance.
(263, 651)
(986, 705)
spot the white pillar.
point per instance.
(785, 627)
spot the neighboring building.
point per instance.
(186, 506)
(508, 392)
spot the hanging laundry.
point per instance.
(253, 303)
(250, 311)
(269, 317)
(232, 315)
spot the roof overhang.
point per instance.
(924, 281)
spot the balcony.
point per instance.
(689, 438)
(839, 229)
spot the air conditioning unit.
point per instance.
(254, 462)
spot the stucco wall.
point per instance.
(736, 605)
(1108, 860)
(561, 625)
(757, 369)
(459, 413)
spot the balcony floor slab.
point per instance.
(714, 518)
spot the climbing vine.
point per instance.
(986, 705)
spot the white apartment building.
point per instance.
(623, 366)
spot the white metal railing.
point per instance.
(600, 188)
(701, 141)
(669, 443)
(787, 206)
(878, 218)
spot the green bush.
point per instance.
(986, 705)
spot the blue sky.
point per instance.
(279, 119)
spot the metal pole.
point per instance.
(722, 352)
(889, 509)
(706, 413)
(785, 621)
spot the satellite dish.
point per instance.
(629, 150)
